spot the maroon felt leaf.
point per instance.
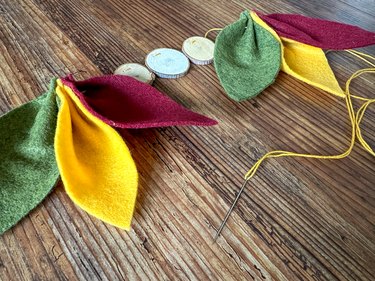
(319, 33)
(124, 102)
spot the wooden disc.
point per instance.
(167, 63)
(137, 71)
(199, 50)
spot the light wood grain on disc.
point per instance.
(136, 71)
(199, 50)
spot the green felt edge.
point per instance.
(28, 169)
(241, 46)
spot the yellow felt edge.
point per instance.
(105, 187)
(314, 61)
(335, 89)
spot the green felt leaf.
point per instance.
(247, 58)
(28, 169)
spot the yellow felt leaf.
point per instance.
(95, 164)
(304, 62)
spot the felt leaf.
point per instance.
(247, 58)
(95, 164)
(28, 168)
(124, 102)
(310, 65)
(304, 62)
(319, 33)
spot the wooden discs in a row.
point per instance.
(171, 63)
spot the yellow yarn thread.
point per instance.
(361, 111)
(355, 120)
(361, 56)
(212, 29)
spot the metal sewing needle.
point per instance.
(230, 210)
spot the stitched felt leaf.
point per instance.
(305, 62)
(124, 102)
(95, 164)
(247, 58)
(319, 33)
(28, 168)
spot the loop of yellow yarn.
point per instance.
(355, 120)
(361, 111)
(212, 29)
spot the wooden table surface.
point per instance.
(299, 219)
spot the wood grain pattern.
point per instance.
(299, 219)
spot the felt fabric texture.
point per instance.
(304, 62)
(28, 169)
(124, 102)
(95, 164)
(247, 58)
(319, 33)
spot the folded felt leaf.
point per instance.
(304, 62)
(319, 33)
(124, 102)
(247, 58)
(28, 168)
(95, 164)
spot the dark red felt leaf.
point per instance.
(319, 33)
(124, 102)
